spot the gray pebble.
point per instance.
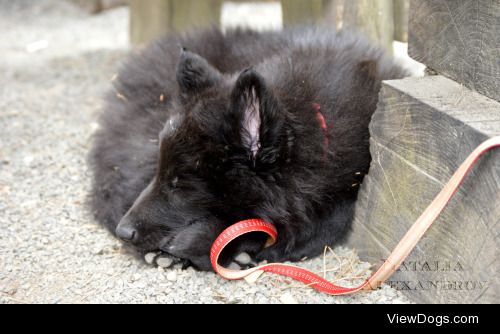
(243, 259)
(164, 262)
(172, 276)
(288, 298)
(150, 258)
(234, 266)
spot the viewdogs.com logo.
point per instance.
(437, 267)
(437, 320)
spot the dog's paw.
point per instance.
(163, 260)
(243, 261)
(278, 254)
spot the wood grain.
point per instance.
(459, 39)
(373, 18)
(154, 18)
(401, 14)
(422, 131)
(303, 12)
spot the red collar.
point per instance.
(322, 123)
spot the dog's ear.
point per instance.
(257, 120)
(195, 74)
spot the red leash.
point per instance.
(390, 265)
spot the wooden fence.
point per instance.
(382, 20)
(423, 129)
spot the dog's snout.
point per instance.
(127, 231)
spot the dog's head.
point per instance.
(219, 157)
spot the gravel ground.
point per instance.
(55, 68)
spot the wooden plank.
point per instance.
(459, 39)
(422, 131)
(154, 18)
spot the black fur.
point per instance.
(195, 139)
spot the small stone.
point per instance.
(164, 262)
(287, 298)
(119, 284)
(28, 160)
(137, 276)
(150, 258)
(178, 266)
(243, 258)
(172, 276)
(234, 266)
(139, 285)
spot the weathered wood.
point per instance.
(374, 18)
(422, 131)
(148, 20)
(460, 39)
(300, 11)
(401, 14)
(95, 6)
(332, 11)
(188, 14)
(107, 4)
(91, 6)
(154, 18)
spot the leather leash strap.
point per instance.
(402, 250)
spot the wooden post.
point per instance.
(153, 18)
(460, 39)
(401, 11)
(373, 18)
(149, 19)
(300, 11)
(95, 6)
(91, 6)
(310, 12)
(422, 131)
(189, 14)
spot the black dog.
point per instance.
(208, 129)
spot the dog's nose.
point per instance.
(126, 231)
